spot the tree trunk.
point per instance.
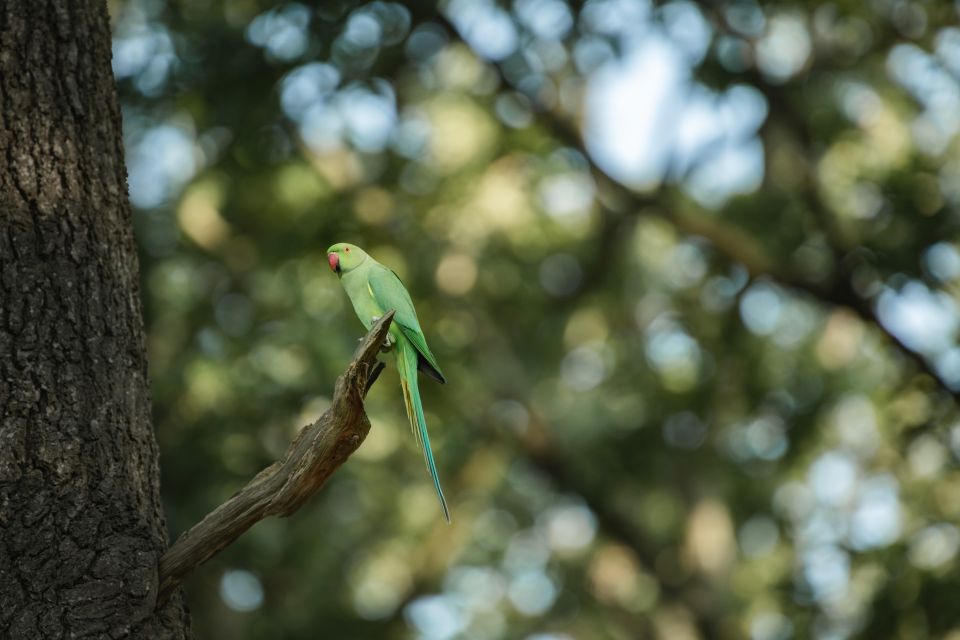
(81, 524)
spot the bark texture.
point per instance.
(81, 524)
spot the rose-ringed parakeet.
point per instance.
(373, 290)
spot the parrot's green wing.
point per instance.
(389, 293)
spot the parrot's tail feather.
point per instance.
(411, 416)
(407, 366)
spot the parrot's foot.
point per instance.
(388, 341)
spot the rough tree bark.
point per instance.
(81, 523)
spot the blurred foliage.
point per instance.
(691, 270)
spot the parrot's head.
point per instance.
(344, 257)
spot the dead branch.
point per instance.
(283, 487)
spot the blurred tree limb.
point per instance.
(283, 487)
(733, 242)
(840, 291)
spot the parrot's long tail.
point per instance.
(407, 366)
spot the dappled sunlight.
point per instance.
(199, 215)
(785, 47)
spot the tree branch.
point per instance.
(283, 487)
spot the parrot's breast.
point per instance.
(358, 290)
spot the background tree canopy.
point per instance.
(691, 270)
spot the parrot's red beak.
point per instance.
(334, 261)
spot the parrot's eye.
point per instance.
(347, 249)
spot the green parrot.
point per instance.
(373, 290)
